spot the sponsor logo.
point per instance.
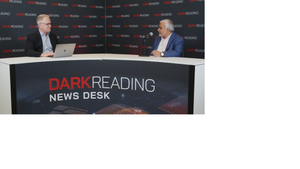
(13, 50)
(79, 26)
(195, 50)
(5, 38)
(142, 15)
(114, 45)
(131, 26)
(79, 5)
(150, 26)
(12, 1)
(26, 14)
(5, 13)
(97, 45)
(108, 35)
(114, 6)
(60, 26)
(107, 16)
(196, 25)
(123, 36)
(81, 46)
(174, 2)
(122, 16)
(163, 14)
(98, 7)
(37, 3)
(71, 16)
(147, 47)
(190, 37)
(90, 36)
(72, 36)
(114, 26)
(33, 26)
(22, 38)
(97, 26)
(189, 13)
(13, 26)
(54, 15)
(131, 5)
(89, 16)
(150, 3)
(59, 4)
(137, 36)
(131, 46)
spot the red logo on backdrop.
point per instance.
(32, 26)
(99, 7)
(131, 5)
(150, 3)
(141, 15)
(37, 3)
(189, 13)
(6, 26)
(174, 2)
(163, 14)
(195, 50)
(81, 46)
(22, 38)
(7, 51)
(59, 4)
(4, 0)
(114, 6)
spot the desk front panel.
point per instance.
(102, 87)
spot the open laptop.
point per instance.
(64, 50)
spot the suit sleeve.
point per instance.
(155, 45)
(176, 49)
(29, 49)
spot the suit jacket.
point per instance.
(174, 47)
(34, 44)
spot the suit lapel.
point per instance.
(39, 42)
(170, 41)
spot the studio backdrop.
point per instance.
(100, 26)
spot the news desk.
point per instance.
(102, 84)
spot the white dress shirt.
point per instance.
(163, 43)
(47, 46)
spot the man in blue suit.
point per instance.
(168, 43)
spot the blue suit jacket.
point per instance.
(174, 47)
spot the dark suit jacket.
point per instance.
(174, 47)
(34, 44)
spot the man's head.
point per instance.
(44, 23)
(166, 27)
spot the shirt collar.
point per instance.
(42, 34)
(167, 37)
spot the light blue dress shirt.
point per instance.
(47, 46)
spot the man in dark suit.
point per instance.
(168, 43)
(41, 43)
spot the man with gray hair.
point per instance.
(168, 43)
(41, 43)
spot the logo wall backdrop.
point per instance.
(99, 26)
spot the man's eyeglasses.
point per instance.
(48, 24)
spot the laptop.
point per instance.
(64, 50)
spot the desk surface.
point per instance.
(174, 60)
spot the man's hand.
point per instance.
(48, 54)
(156, 53)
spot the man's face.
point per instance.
(45, 25)
(162, 31)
